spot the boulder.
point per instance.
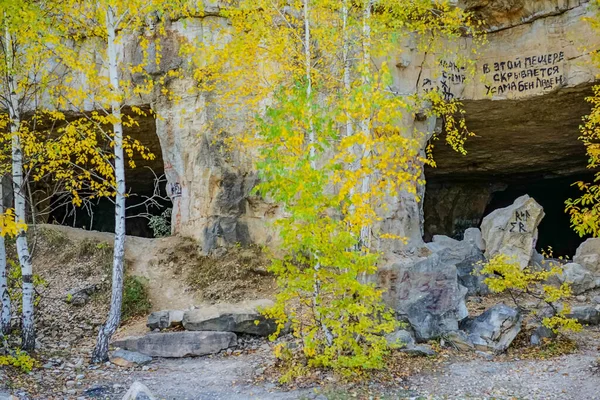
(495, 329)
(513, 230)
(127, 359)
(474, 237)
(138, 391)
(179, 344)
(580, 278)
(165, 319)
(589, 315)
(240, 318)
(426, 293)
(588, 255)
(400, 337)
(467, 257)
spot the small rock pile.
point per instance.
(207, 330)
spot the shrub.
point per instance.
(136, 301)
(505, 275)
(161, 224)
(20, 360)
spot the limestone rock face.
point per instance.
(513, 230)
(179, 344)
(588, 256)
(495, 329)
(239, 318)
(426, 293)
(533, 63)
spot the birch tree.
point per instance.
(24, 79)
(100, 30)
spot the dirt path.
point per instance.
(221, 378)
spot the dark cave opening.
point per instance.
(452, 207)
(147, 193)
(555, 229)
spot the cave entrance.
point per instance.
(522, 147)
(146, 186)
(468, 203)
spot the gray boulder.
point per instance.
(580, 278)
(540, 333)
(588, 255)
(513, 230)
(466, 257)
(239, 318)
(179, 344)
(138, 391)
(165, 319)
(589, 315)
(426, 293)
(495, 329)
(125, 358)
(400, 337)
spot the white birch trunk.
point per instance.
(347, 64)
(27, 325)
(312, 152)
(114, 317)
(5, 314)
(365, 124)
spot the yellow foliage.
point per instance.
(505, 274)
(20, 360)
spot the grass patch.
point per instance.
(136, 301)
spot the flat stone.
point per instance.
(589, 315)
(239, 318)
(459, 340)
(127, 359)
(179, 344)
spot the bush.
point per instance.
(20, 360)
(136, 301)
(161, 224)
(506, 275)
